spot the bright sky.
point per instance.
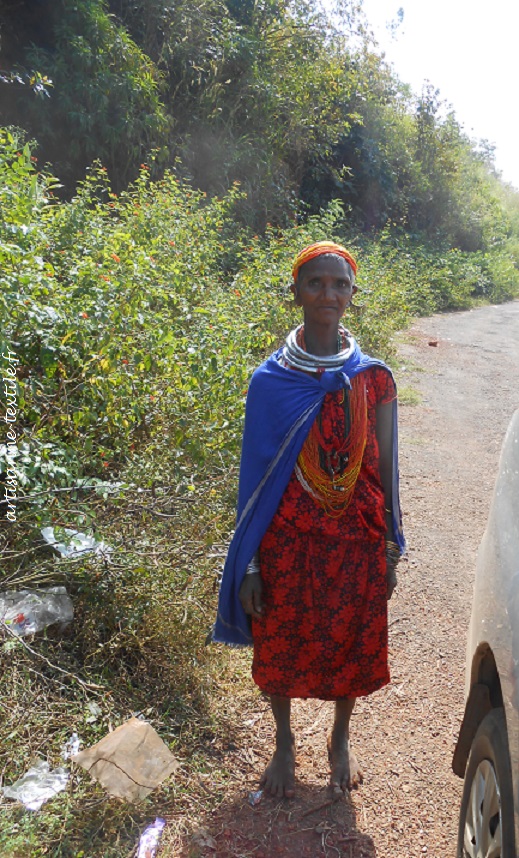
(468, 50)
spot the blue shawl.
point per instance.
(281, 407)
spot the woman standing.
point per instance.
(312, 561)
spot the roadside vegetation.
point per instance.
(144, 273)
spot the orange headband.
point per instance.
(318, 249)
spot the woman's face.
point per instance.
(323, 289)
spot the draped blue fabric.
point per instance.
(281, 407)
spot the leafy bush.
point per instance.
(106, 95)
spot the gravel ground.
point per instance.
(465, 368)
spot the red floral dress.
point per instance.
(324, 628)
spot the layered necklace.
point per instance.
(328, 469)
(296, 356)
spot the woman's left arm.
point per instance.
(384, 432)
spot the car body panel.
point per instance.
(494, 623)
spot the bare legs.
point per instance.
(345, 771)
(278, 778)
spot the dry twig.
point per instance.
(90, 686)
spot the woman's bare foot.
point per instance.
(346, 773)
(278, 778)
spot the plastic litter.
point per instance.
(255, 797)
(71, 747)
(77, 543)
(28, 611)
(130, 762)
(94, 710)
(150, 839)
(38, 785)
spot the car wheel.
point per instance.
(486, 828)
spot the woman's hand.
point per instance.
(392, 560)
(391, 579)
(251, 592)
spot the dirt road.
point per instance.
(465, 369)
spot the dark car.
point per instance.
(487, 751)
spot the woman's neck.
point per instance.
(322, 340)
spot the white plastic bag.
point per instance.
(37, 785)
(77, 543)
(71, 747)
(25, 612)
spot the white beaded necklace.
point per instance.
(297, 358)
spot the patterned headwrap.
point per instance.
(318, 249)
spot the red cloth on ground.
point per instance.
(324, 629)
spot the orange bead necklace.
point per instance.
(328, 470)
